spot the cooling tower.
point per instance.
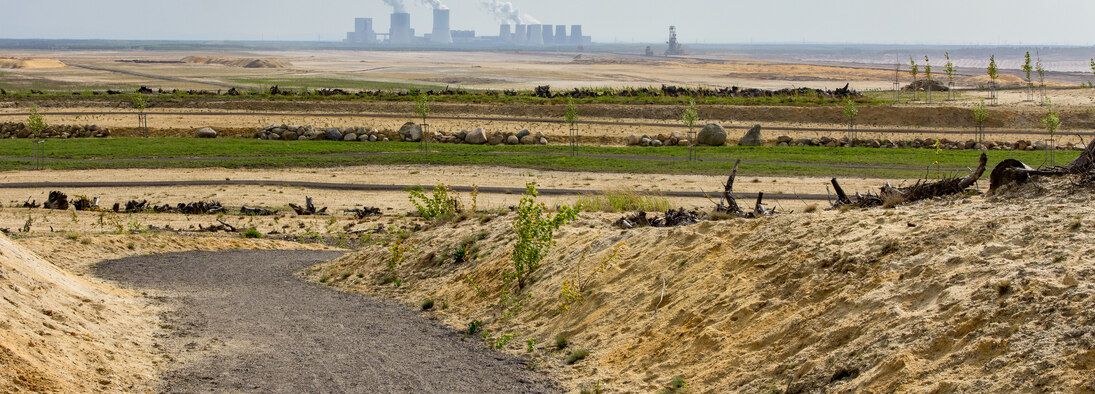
(504, 33)
(520, 35)
(400, 32)
(441, 32)
(536, 34)
(575, 34)
(549, 35)
(561, 34)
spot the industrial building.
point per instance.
(400, 33)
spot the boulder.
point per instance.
(461, 135)
(333, 134)
(350, 137)
(476, 136)
(372, 138)
(656, 143)
(521, 134)
(496, 139)
(528, 140)
(712, 135)
(633, 139)
(289, 136)
(363, 138)
(411, 132)
(752, 137)
(512, 140)
(543, 141)
(787, 138)
(206, 133)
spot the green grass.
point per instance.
(254, 153)
(624, 200)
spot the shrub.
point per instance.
(437, 207)
(561, 341)
(577, 355)
(427, 304)
(535, 231)
(251, 233)
(398, 253)
(474, 327)
(810, 208)
(677, 385)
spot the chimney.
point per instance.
(504, 33)
(441, 32)
(561, 34)
(549, 35)
(400, 31)
(536, 34)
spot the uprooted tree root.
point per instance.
(1014, 171)
(730, 204)
(682, 217)
(891, 196)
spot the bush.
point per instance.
(474, 327)
(677, 385)
(561, 341)
(437, 207)
(576, 356)
(251, 233)
(535, 231)
(427, 304)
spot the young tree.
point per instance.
(422, 106)
(1051, 122)
(851, 112)
(571, 118)
(980, 115)
(689, 118)
(139, 103)
(1026, 71)
(1093, 65)
(949, 70)
(914, 69)
(928, 76)
(992, 72)
(1041, 78)
(35, 123)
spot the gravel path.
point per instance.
(243, 321)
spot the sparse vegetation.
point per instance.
(440, 206)
(690, 115)
(561, 341)
(624, 200)
(427, 304)
(576, 355)
(251, 233)
(535, 230)
(677, 385)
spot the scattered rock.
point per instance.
(206, 133)
(712, 135)
(476, 136)
(752, 137)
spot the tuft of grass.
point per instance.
(427, 304)
(474, 327)
(561, 341)
(677, 385)
(810, 208)
(251, 233)
(892, 200)
(1076, 224)
(624, 200)
(576, 356)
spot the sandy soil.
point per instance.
(959, 294)
(29, 63)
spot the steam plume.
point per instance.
(435, 4)
(397, 5)
(505, 12)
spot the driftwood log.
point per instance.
(1014, 171)
(730, 204)
(308, 209)
(920, 191)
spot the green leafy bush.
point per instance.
(251, 233)
(535, 230)
(439, 206)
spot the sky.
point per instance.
(959, 22)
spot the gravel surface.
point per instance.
(243, 321)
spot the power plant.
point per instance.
(400, 33)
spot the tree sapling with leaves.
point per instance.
(949, 70)
(571, 118)
(851, 112)
(1041, 78)
(1051, 122)
(914, 70)
(928, 76)
(993, 73)
(1027, 68)
(139, 103)
(980, 115)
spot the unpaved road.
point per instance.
(242, 321)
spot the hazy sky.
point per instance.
(990, 22)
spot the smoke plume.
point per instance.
(505, 12)
(435, 4)
(397, 5)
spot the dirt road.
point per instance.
(242, 321)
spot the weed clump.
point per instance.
(251, 233)
(561, 341)
(677, 385)
(624, 200)
(576, 356)
(427, 304)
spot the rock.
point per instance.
(512, 140)
(633, 139)
(785, 138)
(528, 139)
(824, 140)
(411, 132)
(461, 135)
(496, 139)
(521, 134)
(206, 133)
(752, 137)
(656, 143)
(333, 134)
(350, 137)
(290, 136)
(662, 137)
(476, 136)
(543, 141)
(682, 142)
(540, 135)
(676, 134)
(372, 138)
(273, 136)
(711, 135)
(1039, 145)
(645, 141)
(386, 139)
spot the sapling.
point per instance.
(1051, 122)
(571, 119)
(689, 118)
(851, 112)
(1041, 78)
(914, 69)
(139, 103)
(980, 114)
(993, 74)
(1026, 71)
(928, 75)
(949, 70)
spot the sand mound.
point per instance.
(63, 333)
(960, 294)
(236, 62)
(29, 64)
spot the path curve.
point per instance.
(243, 321)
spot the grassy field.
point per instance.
(254, 153)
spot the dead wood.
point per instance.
(923, 191)
(364, 212)
(672, 218)
(31, 204)
(308, 209)
(1014, 171)
(57, 200)
(246, 210)
(730, 204)
(861, 201)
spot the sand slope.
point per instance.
(28, 63)
(974, 294)
(237, 62)
(63, 333)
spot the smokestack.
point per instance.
(505, 33)
(441, 32)
(576, 34)
(536, 34)
(400, 31)
(549, 35)
(520, 35)
(561, 34)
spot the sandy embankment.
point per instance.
(957, 294)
